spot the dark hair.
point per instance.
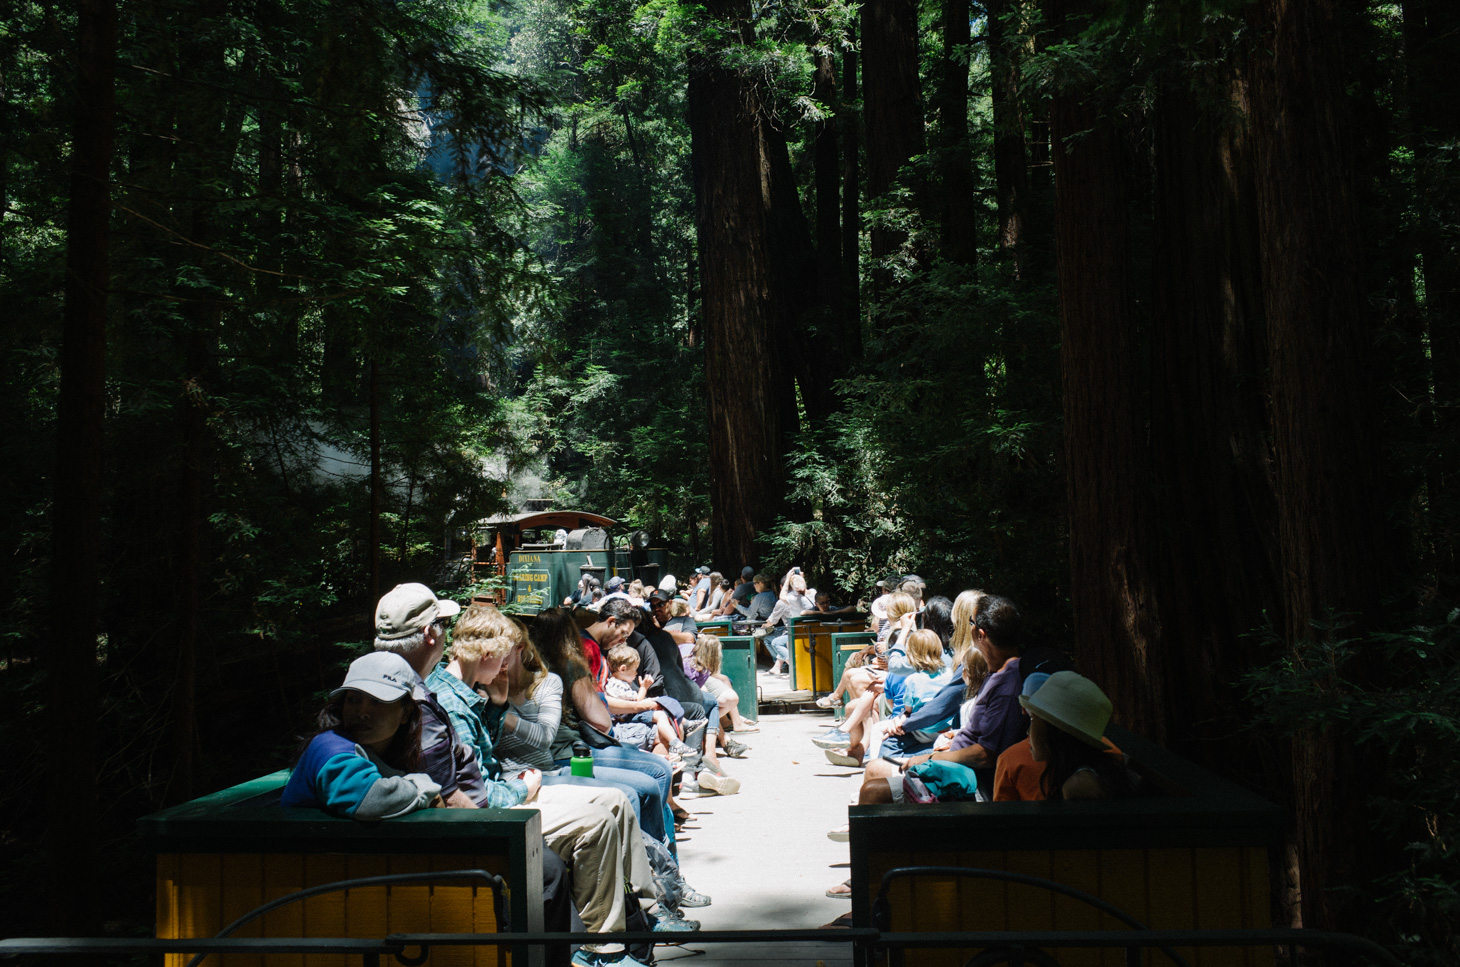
(556, 637)
(938, 618)
(1068, 755)
(404, 751)
(999, 619)
(620, 608)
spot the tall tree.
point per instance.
(744, 365)
(958, 215)
(892, 105)
(71, 652)
(1006, 48)
(1116, 621)
(1330, 522)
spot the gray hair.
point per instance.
(405, 647)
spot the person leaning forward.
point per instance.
(584, 837)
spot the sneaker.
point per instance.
(594, 958)
(674, 923)
(680, 749)
(719, 785)
(832, 739)
(690, 787)
(841, 834)
(840, 758)
(736, 750)
(711, 767)
(689, 898)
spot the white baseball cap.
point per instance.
(382, 675)
(407, 608)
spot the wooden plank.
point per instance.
(1171, 900)
(1218, 902)
(452, 911)
(241, 889)
(1079, 869)
(283, 873)
(1123, 885)
(366, 908)
(168, 873)
(324, 916)
(200, 895)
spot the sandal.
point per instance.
(828, 701)
(842, 891)
(681, 815)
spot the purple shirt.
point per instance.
(997, 722)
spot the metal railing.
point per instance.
(1015, 948)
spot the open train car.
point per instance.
(542, 554)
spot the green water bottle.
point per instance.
(582, 762)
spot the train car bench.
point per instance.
(1193, 857)
(221, 856)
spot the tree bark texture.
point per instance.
(1115, 621)
(1431, 29)
(958, 217)
(892, 103)
(76, 512)
(1330, 504)
(744, 370)
(1211, 465)
(1011, 155)
(851, 207)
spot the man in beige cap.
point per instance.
(593, 830)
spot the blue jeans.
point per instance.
(642, 776)
(779, 646)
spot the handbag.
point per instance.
(595, 738)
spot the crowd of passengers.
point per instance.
(937, 709)
(498, 722)
(951, 704)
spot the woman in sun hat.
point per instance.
(359, 762)
(1068, 715)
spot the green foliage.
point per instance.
(1395, 697)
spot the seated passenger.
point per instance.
(358, 763)
(996, 723)
(627, 695)
(1068, 716)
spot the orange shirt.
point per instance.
(1017, 775)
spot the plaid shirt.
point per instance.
(470, 714)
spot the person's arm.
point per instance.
(590, 707)
(629, 706)
(937, 708)
(897, 663)
(538, 732)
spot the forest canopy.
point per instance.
(1145, 314)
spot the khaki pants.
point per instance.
(594, 831)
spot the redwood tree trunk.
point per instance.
(1117, 629)
(1219, 556)
(743, 364)
(892, 103)
(1330, 505)
(76, 513)
(1011, 156)
(958, 217)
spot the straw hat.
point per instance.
(1071, 703)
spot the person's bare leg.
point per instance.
(875, 792)
(879, 769)
(857, 711)
(858, 681)
(665, 729)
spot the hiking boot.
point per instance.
(736, 750)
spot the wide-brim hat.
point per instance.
(382, 675)
(407, 608)
(1071, 703)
